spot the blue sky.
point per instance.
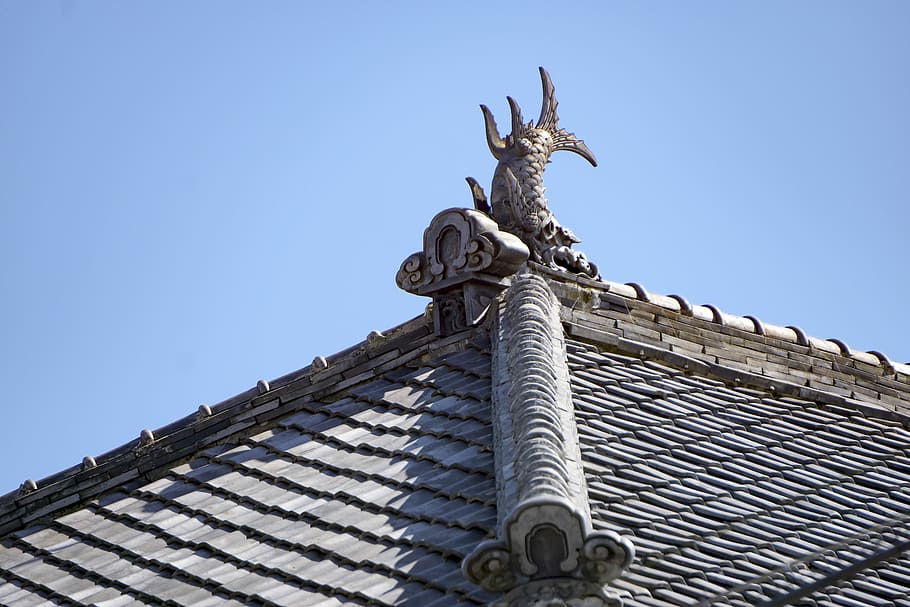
(196, 196)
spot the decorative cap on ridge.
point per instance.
(517, 201)
(465, 262)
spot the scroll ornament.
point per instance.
(465, 262)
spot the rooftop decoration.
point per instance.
(470, 255)
(517, 201)
(465, 263)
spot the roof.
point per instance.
(351, 484)
(368, 477)
(737, 496)
(538, 437)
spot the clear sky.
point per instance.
(198, 195)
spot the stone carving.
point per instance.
(465, 262)
(545, 541)
(517, 201)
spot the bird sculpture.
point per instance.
(517, 202)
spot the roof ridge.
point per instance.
(545, 543)
(751, 324)
(150, 455)
(736, 376)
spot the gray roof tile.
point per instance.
(370, 498)
(750, 485)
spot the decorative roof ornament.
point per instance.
(517, 201)
(469, 255)
(465, 263)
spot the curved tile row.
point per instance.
(711, 313)
(734, 496)
(792, 334)
(365, 499)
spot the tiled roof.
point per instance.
(371, 497)
(735, 496)
(748, 465)
(538, 438)
(701, 338)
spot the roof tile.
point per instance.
(748, 482)
(368, 497)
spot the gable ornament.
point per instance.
(469, 255)
(465, 263)
(517, 202)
